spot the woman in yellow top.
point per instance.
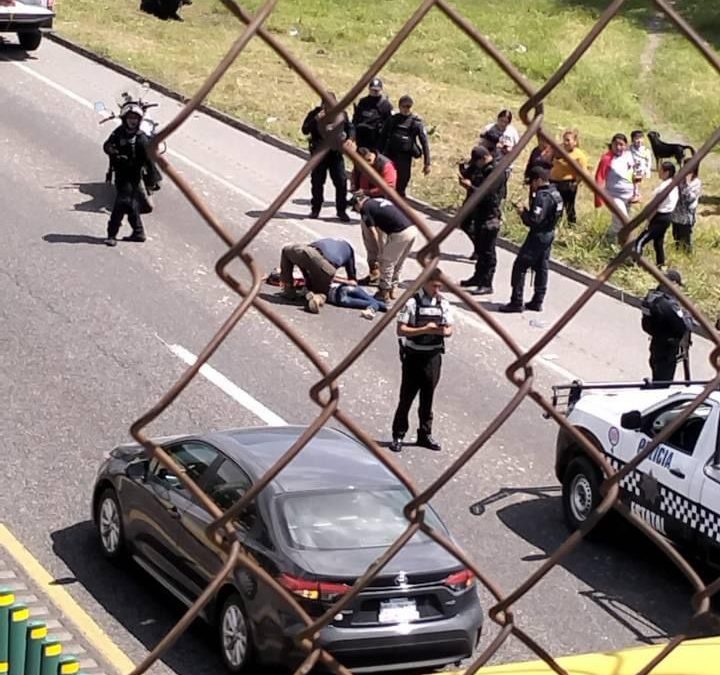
(564, 176)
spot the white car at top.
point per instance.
(27, 18)
(676, 488)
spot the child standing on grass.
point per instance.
(641, 162)
(685, 214)
(660, 222)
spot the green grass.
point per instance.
(457, 88)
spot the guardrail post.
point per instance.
(51, 650)
(36, 634)
(19, 615)
(68, 665)
(7, 598)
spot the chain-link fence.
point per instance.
(326, 392)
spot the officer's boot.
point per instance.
(536, 304)
(138, 231)
(516, 301)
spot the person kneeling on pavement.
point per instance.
(422, 326)
(541, 218)
(390, 237)
(319, 263)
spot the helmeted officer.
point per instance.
(668, 325)
(403, 139)
(423, 325)
(542, 217)
(130, 161)
(333, 162)
(371, 113)
(483, 224)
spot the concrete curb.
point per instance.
(428, 209)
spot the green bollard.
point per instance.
(7, 598)
(51, 650)
(68, 665)
(19, 615)
(36, 634)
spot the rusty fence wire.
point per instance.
(325, 393)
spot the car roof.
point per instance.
(330, 460)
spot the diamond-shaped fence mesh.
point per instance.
(326, 393)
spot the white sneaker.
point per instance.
(368, 313)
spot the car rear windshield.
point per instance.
(348, 519)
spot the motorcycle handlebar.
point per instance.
(147, 106)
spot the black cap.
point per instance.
(493, 135)
(539, 173)
(375, 83)
(355, 199)
(674, 276)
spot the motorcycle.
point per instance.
(148, 126)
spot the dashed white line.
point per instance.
(247, 401)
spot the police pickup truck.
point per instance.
(28, 19)
(676, 488)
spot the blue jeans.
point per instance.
(355, 297)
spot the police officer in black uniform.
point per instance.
(130, 161)
(403, 139)
(668, 325)
(422, 327)
(371, 113)
(542, 217)
(483, 224)
(332, 163)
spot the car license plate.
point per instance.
(398, 610)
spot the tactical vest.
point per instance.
(425, 314)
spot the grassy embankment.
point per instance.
(455, 86)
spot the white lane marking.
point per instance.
(467, 316)
(247, 401)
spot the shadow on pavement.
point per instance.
(101, 196)
(72, 239)
(629, 578)
(138, 603)
(11, 51)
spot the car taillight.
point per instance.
(459, 581)
(313, 590)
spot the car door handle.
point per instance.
(677, 472)
(173, 511)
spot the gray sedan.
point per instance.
(315, 528)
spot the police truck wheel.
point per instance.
(236, 646)
(30, 40)
(580, 492)
(108, 520)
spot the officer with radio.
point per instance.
(669, 326)
(403, 139)
(370, 114)
(541, 219)
(423, 325)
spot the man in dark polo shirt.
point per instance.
(389, 239)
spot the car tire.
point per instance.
(581, 493)
(30, 40)
(108, 521)
(234, 636)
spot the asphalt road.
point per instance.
(86, 345)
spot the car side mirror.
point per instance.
(137, 470)
(631, 420)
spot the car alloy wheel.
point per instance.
(109, 524)
(234, 635)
